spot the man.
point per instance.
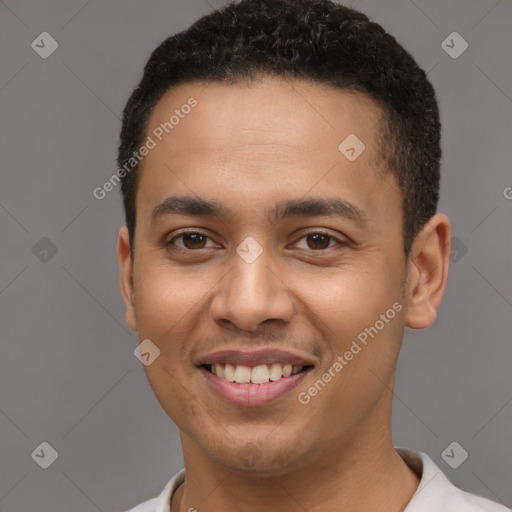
(280, 165)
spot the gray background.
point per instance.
(68, 375)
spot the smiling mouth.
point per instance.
(260, 374)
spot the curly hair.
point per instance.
(315, 40)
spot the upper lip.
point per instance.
(255, 357)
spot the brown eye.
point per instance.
(318, 241)
(190, 241)
(194, 241)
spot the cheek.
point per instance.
(362, 345)
(353, 310)
(165, 297)
(350, 297)
(163, 308)
(167, 309)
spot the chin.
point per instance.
(258, 456)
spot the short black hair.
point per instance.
(317, 40)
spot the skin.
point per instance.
(250, 146)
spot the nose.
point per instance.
(250, 294)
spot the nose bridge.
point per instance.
(251, 292)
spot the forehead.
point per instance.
(267, 110)
(261, 139)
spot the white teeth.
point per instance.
(259, 374)
(229, 372)
(242, 374)
(276, 371)
(219, 371)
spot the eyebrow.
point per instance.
(310, 206)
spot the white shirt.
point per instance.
(435, 492)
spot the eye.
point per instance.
(191, 240)
(315, 241)
(319, 241)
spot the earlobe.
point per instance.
(428, 272)
(126, 275)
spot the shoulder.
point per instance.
(147, 506)
(162, 502)
(437, 494)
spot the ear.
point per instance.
(428, 272)
(126, 275)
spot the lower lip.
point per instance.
(252, 395)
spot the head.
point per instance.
(286, 213)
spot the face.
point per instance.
(267, 256)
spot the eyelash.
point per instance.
(340, 243)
